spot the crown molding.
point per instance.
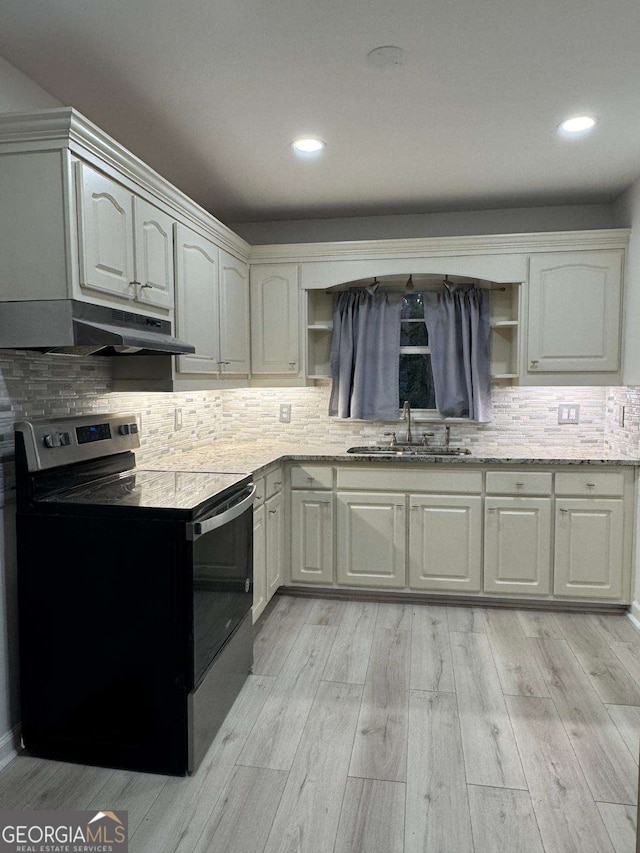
(490, 244)
(65, 127)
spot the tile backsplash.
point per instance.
(524, 419)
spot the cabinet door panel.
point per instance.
(234, 314)
(445, 536)
(574, 311)
(259, 563)
(153, 255)
(312, 537)
(371, 539)
(197, 315)
(589, 548)
(275, 542)
(517, 545)
(105, 230)
(274, 319)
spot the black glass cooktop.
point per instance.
(165, 490)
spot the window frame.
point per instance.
(419, 414)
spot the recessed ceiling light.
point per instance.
(307, 145)
(578, 124)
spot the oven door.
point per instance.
(222, 576)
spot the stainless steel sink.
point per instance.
(409, 450)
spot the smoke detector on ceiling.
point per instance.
(386, 58)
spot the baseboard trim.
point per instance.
(453, 600)
(634, 614)
(10, 745)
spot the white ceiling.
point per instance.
(211, 93)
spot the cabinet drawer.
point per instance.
(311, 477)
(273, 482)
(438, 481)
(517, 483)
(260, 487)
(586, 483)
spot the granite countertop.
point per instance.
(225, 456)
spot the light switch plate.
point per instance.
(621, 414)
(177, 418)
(568, 413)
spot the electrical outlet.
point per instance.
(285, 413)
(568, 413)
(177, 418)
(621, 414)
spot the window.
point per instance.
(416, 377)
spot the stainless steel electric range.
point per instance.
(135, 590)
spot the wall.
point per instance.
(511, 221)
(18, 92)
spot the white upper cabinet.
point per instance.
(212, 306)
(234, 314)
(125, 244)
(197, 262)
(574, 312)
(153, 255)
(274, 319)
(105, 231)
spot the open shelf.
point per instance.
(504, 331)
(319, 334)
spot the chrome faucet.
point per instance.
(406, 415)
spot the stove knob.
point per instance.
(134, 428)
(65, 438)
(52, 440)
(124, 429)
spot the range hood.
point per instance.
(70, 327)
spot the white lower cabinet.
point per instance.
(445, 543)
(371, 539)
(517, 546)
(589, 547)
(274, 525)
(311, 537)
(259, 563)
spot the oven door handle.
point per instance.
(199, 528)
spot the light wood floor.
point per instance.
(397, 728)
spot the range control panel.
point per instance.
(63, 441)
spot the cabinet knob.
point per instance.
(224, 362)
(563, 510)
(534, 363)
(591, 485)
(258, 497)
(519, 485)
(143, 286)
(292, 364)
(310, 479)
(273, 511)
(277, 484)
(491, 509)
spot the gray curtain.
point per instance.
(458, 327)
(365, 355)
